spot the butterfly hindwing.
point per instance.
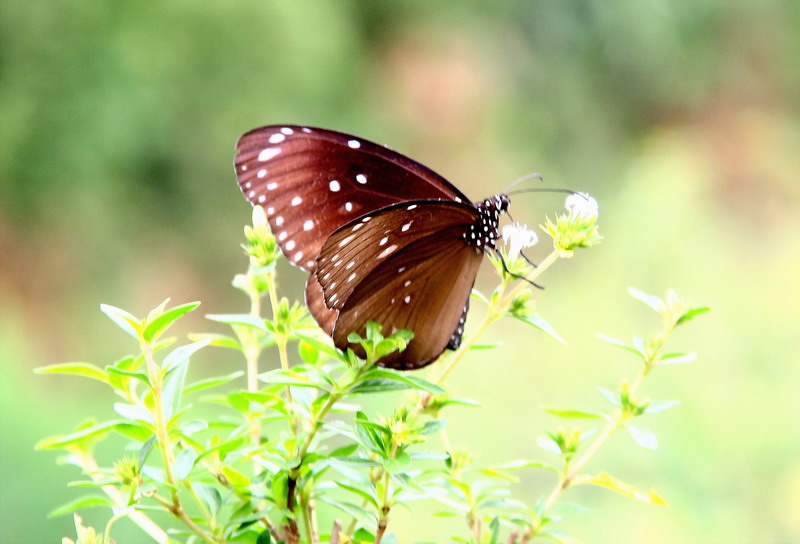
(411, 269)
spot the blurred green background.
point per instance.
(681, 117)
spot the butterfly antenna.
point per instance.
(524, 178)
(545, 190)
(510, 273)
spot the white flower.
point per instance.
(518, 237)
(581, 204)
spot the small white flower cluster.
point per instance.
(582, 204)
(518, 237)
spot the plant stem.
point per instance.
(616, 421)
(164, 444)
(162, 436)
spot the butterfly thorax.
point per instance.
(483, 233)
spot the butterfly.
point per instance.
(382, 237)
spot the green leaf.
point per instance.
(182, 354)
(209, 495)
(548, 444)
(321, 346)
(378, 386)
(217, 340)
(433, 426)
(366, 492)
(609, 482)
(621, 344)
(113, 370)
(414, 381)
(364, 516)
(397, 464)
(480, 296)
(85, 501)
(294, 377)
(95, 431)
(184, 463)
(573, 414)
(644, 437)
(145, 450)
(134, 413)
(692, 313)
(486, 346)
(264, 537)
(661, 406)
(246, 320)
(521, 464)
(163, 322)
(677, 359)
(429, 455)
(212, 382)
(651, 300)
(308, 353)
(76, 369)
(173, 390)
(540, 323)
(610, 396)
(123, 319)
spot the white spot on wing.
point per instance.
(346, 240)
(387, 251)
(361, 178)
(296, 200)
(261, 173)
(251, 194)
(411, 207)
(406, 226)
(306, 130)
(270, 210)
(271, 186)
(407, 299)
(407, 283)
(279, 220)
(282, 236)
(268, 153)
(383, 241)
(357, 226)
(261, 198)
(298, 256)
(290, 245)
(348, 206)
(334, 185)
(276, 138)
(351, 277)
(287, 130)
(308, 225)
(355, 144)
(350, 265)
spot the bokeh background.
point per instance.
(681, 117)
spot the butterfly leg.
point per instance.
(519, 277)
(527, 260)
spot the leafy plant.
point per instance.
(295, 440)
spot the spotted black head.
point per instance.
(484, 232)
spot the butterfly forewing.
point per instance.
(311, 181)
